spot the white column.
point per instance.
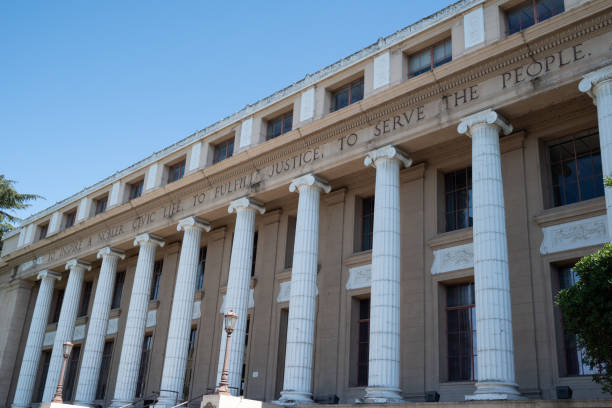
(96, 330)
(598, 85)
(297, 384)
(495, 349)
(384, 356)
(175, 359)
(238, 286)
(65, 325)
(33, 348)
(131, 350)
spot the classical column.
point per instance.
(297, 384)
(598, 85)
(384, 357)
(175, 359)
(238, 286)
(491, 278)
(131, 350)
(65, 325)
(96, 331)
(31, 354)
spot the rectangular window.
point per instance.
(193, 336)
(223, 150)
(176, 171)
(282, 348)
(118, 290)
(201, 267)
(107, 355)
(59, 299)
(43, 369)
(71, 373)
(458, 199)
(531, 12)
(85, 296)
(363, 348)
(144, 365)
(429, 58)
(42, 231)
(367, 223)
(347, 95)
(69, 219)
(573, 356)
(135, 189)
(245, 356)
(157, 271)
(100, 205)
(291, 224)
(255, 238)
(461, 332)
(575, 167)
(279, 125)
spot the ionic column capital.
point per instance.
(591, 80)
(486, 117)
(309, 180)
(78, 264)
(150, 239)
(47, 274)
(389, 152)
(108, 251)
(193, 223)
(245, 203)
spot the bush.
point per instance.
(587, 312)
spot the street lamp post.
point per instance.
(66, 349)
(229, 321)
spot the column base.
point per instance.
(380, 395)
(292, 398)
(495, 391)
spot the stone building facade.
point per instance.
(394, 224)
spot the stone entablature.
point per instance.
(407, 117)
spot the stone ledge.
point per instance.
(571, 212)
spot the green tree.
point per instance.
(587, 312)
(10, 200)
(608, 181)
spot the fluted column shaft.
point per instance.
(175, 359)
(31, 354)
(598, 84)
(65, 325)
(131, 350)
(495, 348)
(384, 352)
(96, 330)
(238, 286)
(297, 384)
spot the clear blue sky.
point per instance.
(88, 88)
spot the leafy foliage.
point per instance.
(608, 181)
(587, 312)
(10, 199)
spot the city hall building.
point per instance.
(392, 226)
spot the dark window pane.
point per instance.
(85, 296)
(357, 92)
(136, 189)
(461, 348)
(71, 372)
(458, 199)
(118, 290)
(107, 355)
(157, 271)
(144, 365)
(201, 267)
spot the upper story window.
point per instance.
(223, 150)
(100, 204)
(135, 189)
(291, 224)
(69, 219)
(279, 125)
(59, 299)
(176, 171)
(347, 95)
(461, 332)
(367, 223)
(429, 58)
(201, 267)
(42, 231)
(118, 290)
(575, 167)
(157, 271)
(85, 296)
(531, 12)
(458, 199)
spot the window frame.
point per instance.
(227, 143)
(43, 230)
(173, 175)
(100, 204)
(472, 331)
(69, 216)
(282, 118)
(467, 189)
(432, 63)
(349, 87)
(118, 290)
(536, 19)
(137, 186)
(158, 267)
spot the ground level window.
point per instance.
(107, 355)
(193, 335)
(461, 332)
(144, 365)
(71, 373)
(363, 349)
